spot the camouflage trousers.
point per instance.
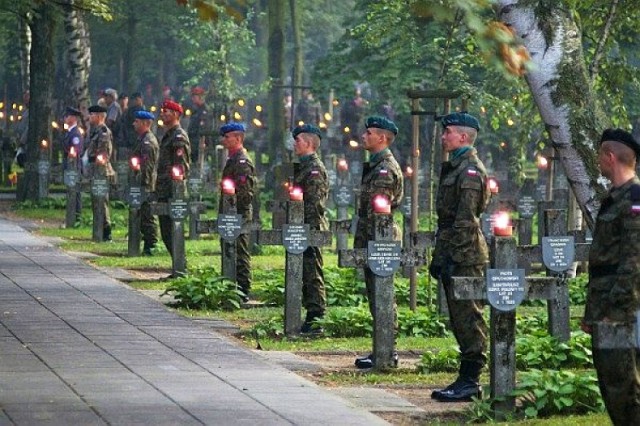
(313, 294)
(619, 380)
(105, 206)
(467, 323)
(148, 226)
(243, 261)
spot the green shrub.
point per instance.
(205, 289)
(353, 321)
(425, 284)
(578, 289)
(343, 288)
(421, 323)
(269, 286)
(273, 327)
(549, 392)
(446, 360)
(546, 351)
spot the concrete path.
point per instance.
(79, 347)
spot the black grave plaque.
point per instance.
(70, 178)
(99, 187)
(229, 226)
(505, 288)
(178, 209)
(526, 206)
(558, 253)
(295, 238)
(383, 257)
(343, 196)
(135, 197)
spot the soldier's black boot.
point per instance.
(309, 327)
(367, 361)
(147, 250)
(465, 387)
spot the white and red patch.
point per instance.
(635, 208)
(473, 172)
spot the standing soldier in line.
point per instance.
(100, 143)
(73, 139)
(311, 176)
(146, 150)
(613, 293)
(381, 176)
(461, 249)
(175, 151)
(128, 134)
(199, 124)
(239, 168)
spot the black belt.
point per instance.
(602, 270)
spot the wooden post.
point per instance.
(383, 256)
(296, 237)
(505, 288)
(135, 199)
(99, 191)
(71, 181)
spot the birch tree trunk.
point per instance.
(562, 91)
(78, 58)
(25, 50)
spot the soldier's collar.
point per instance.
(375, 157)
(305, 158)
(459, 152)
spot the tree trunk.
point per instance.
(562, 91)
(78, 58)
(42, 72)
(298, 58)
(25, 50)
(276, 73)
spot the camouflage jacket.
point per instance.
(100, 142)
(311, 175)
(200, 124)
(240, 169)
(463, 195)
(147, 151)
(73, 138)
(381, 175)
(613, 291)
(174, 150)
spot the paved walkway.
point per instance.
(79, 347)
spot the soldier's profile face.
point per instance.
(452, 139)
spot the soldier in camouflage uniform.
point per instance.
(100, 143)
(311, 176)
(461, 249)
(200, 124)
(613, 292)
(175, 150)
(380, 176)
(146, 151)
(239, 168)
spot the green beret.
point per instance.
(306, 128)
(621, 136)
(381, 123)
(463, 119)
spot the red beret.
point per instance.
(168, 104)
(197, 90)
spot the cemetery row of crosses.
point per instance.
(519, 270)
